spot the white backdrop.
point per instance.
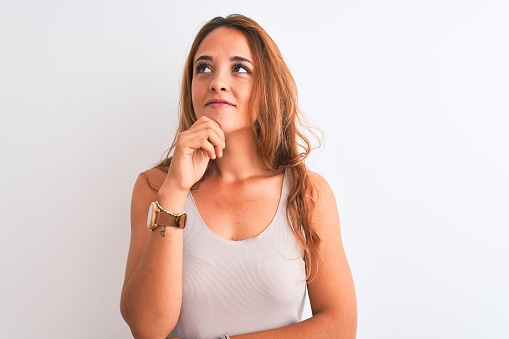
(412, 97)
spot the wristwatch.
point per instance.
(159, 217)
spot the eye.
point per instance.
(240, 68)
(202, 68)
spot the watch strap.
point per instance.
(164, 219)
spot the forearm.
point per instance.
(152, 297)
(321, 325)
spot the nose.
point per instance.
(219, 82)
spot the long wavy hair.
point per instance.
(280, 142)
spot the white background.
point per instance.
(412, 97)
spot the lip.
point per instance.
(218, 103)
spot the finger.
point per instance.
(207, 148)
(196, 140)
(216, 141)
(211, 133)
(205, 123)
(190, 137)
(189, 142)
(203, 129)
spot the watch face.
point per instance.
(151, 216)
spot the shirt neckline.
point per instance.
(260, 235)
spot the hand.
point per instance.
(203, 141)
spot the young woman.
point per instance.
(258, 229)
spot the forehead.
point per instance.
(224, 42)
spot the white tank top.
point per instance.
(234, 287)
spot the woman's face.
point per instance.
(222, 79)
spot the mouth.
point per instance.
(218, 103)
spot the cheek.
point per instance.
(252, 107)
(246, 93)
(195, 98)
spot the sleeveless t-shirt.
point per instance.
(234, 287)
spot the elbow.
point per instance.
(347, 328)
(342, 329)
(148, 333)
(339, 324)
(144, 325)
(141, 329)
(345, 325)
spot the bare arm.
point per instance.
(152, 293)
(331, 291)
(154, 263)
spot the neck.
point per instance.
(240, 159)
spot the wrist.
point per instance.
(172, 189)
(172, 199)
(174, 186)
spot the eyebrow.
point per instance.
(239, 58)
(233, 58)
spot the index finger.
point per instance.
(206, 122)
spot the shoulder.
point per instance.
(325, 205)
(151, 179)
(146, 187)
(144, 192)
(316, 179)
(320, 185)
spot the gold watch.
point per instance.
(160, 217)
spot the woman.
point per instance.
(260, 227)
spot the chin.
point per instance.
(232, 130)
